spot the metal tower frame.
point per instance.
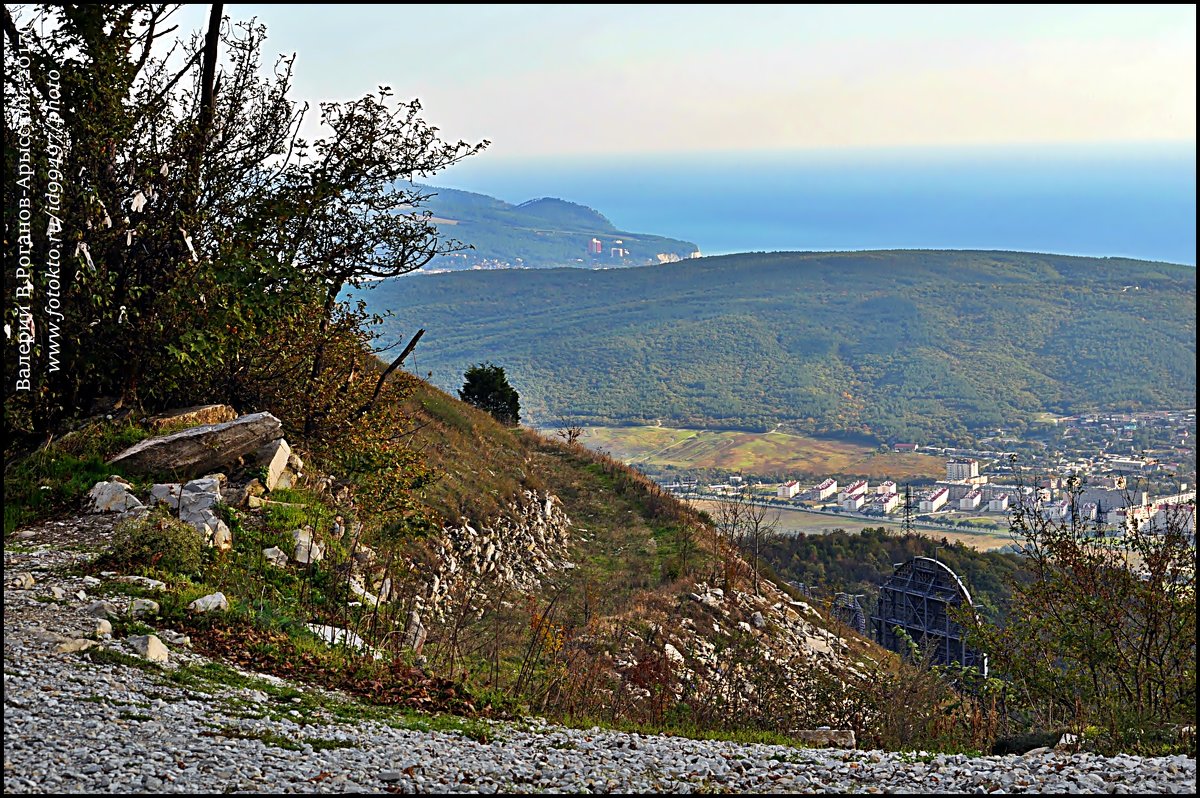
(847, 610)
(907, 525)
(918, 598)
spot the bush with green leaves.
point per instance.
(155, 542)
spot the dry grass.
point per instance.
(767, 454)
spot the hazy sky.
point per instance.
(579, 79)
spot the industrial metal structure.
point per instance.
(918, 599)
(847, 610)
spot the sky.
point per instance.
(589, 80)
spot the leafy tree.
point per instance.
(486, 386)
(193, 228)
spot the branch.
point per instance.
(362, 411)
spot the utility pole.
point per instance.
(907, 525)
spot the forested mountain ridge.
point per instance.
(540, 233)
(894, 345)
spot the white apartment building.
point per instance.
(852, 504)
(825, 490)
(788, 490)
(934, 500)
(853, 489)
(887, 501)
(962, 468)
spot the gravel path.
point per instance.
(71, 725)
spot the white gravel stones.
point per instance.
(149, 647)
(74, 726)
(214, 602)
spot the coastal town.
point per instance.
(1113, 471)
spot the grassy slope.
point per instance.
(908, 344)
(767, 454)
(623, 532)
(626, 535)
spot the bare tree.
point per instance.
(742, 525)
(762, 525)
(570, 433)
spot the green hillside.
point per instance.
(540, 233)
(896, 345)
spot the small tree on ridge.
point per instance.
(486, 386)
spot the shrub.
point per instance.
(155, 542)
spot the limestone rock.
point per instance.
(210, 603)
(103, 628)
(192, 416)
(275, 556)
(175, 638)
(112, 496)
(673, 656)
(143, 608)
(826, 738)
(200, 449)
(149, 647)
(295, 463)
(415, 633)
(166, 493)
(250, 491)
(218, 536)
(197, 503)
(308, 550)
(75, 645)
(23, 581)
(336, 636)
(103, 609)
(274, 458)
(757, 620)
(197, 500)
(143, 581)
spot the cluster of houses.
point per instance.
(1106, 500)
(857, 497)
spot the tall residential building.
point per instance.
(962, 468)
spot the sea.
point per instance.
(1136, 201)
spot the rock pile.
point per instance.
(224, 441)
(515, 550)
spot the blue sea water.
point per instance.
(1127, 201)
